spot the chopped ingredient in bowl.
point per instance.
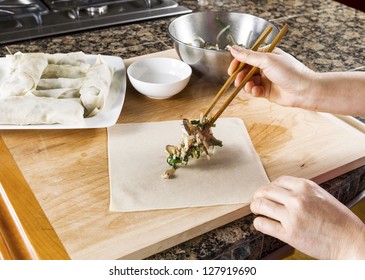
(220, 39)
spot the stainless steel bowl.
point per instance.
(190, 31)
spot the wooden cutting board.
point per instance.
(67, 170)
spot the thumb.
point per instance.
(258, 59)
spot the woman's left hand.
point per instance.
(302, 214)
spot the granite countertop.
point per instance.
(325, 35)
(334, 34)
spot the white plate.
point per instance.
(113, 106)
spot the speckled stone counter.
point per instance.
(325, 35)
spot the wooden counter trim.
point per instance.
(17, 244)
(4, 250)
(25, 231)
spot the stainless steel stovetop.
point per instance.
(28, 19)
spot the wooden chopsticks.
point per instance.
(231, 78)
(253, 70)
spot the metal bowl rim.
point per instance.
(211, 12)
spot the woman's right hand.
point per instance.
(282, 78)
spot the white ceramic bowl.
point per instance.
(159, 77)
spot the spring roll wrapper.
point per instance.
(29, 109)
(95, 88)
(73, 58)
(57, 93)
(65, 71)
(56, 83)
(137, 158)
(25, 73)
(59, 88)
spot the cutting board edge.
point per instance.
(339, 171)
(355, 123)
(193, 232)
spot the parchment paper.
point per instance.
(137, 159)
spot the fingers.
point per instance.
(277, 198)
(268, 208)
(258, 91)
(250, 57)
(269, 226)
(255, 87)
(274, 192)
(249, 86)
(294, 183)
(298, 212)
(272, 199)
(241, 75)
(233, 66)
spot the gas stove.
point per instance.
(29, 19)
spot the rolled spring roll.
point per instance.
(59, 88)
(73, 58)
(24, 75)
(60, 83)
(65, 71)
(96, 86)
(25, 110)
(57, 93)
